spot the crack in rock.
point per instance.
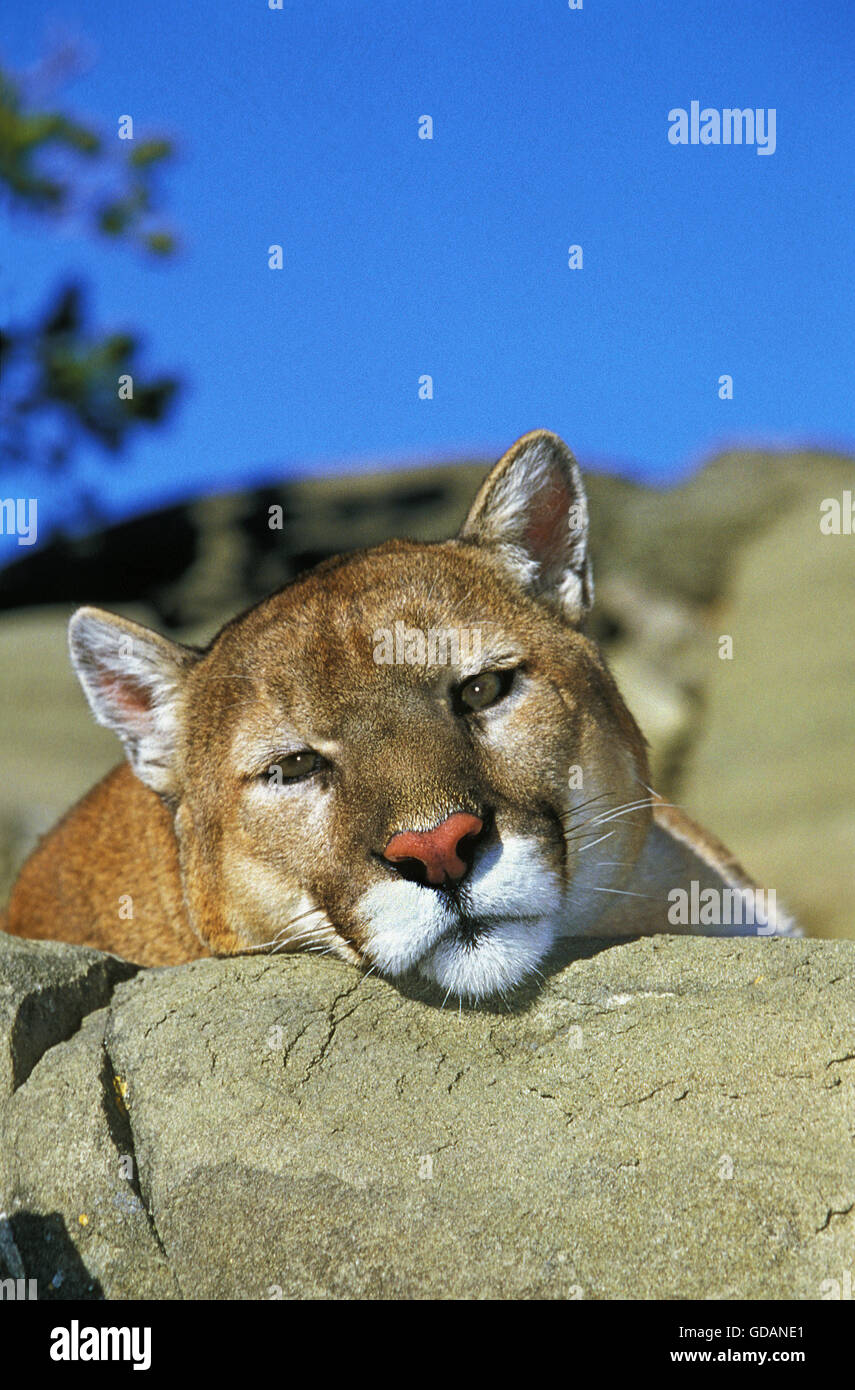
(835, 1214)
(333, 1022)
(120, 1126)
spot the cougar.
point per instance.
(411, 757)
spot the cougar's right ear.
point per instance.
(134, 682)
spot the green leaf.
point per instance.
(160, 243)
(149, 152)
(115, 218)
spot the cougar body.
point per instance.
(412, 757)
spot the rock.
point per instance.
(655, 647)
(79, 1225)
(44, 995)
(667, 1118)
(770, 770)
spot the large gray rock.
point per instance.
(667, 1118)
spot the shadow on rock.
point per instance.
(48, 1255)
(525, 996)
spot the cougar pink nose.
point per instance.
(437, 848)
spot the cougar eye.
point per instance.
(292, 768)
(485, 689)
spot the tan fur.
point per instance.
(117, 841)
(215, 859)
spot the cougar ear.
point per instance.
(532, 511)
(133, 680)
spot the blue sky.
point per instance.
(449, 257)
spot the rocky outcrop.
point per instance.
(669, 1118)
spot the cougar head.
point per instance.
(404, 755)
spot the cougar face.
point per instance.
(404, 756)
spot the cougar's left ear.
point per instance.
(533, 513)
